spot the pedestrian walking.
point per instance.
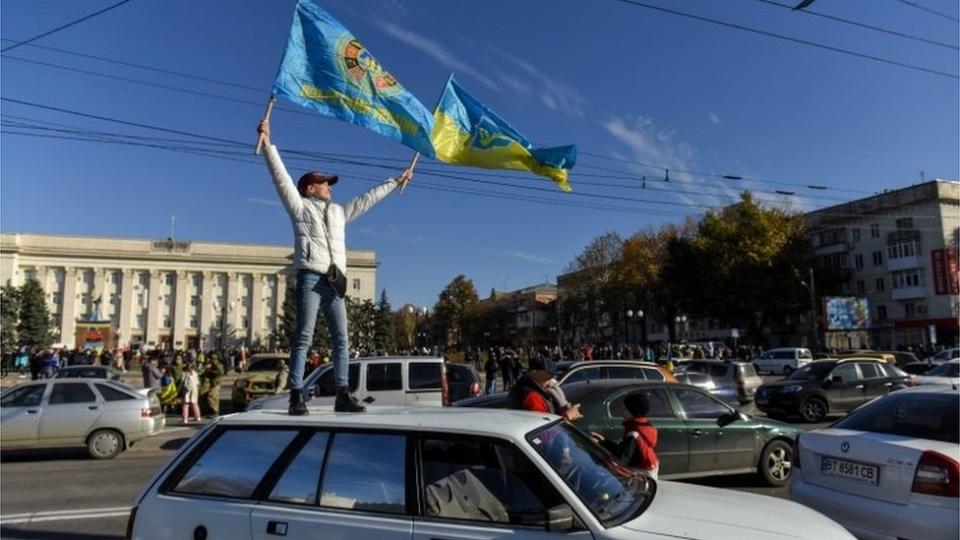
(191, 394)
(320, 259)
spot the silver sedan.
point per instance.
(104, 416)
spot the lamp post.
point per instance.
(812, 289)
(639, 317)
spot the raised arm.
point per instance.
(281, 179)
(358, 206)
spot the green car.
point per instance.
(258, 379)
(698, 435)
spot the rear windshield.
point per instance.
(911, 414)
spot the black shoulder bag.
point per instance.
(335, 277)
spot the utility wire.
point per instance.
(861, 25)
(64, 26)
(928, 10)
(783, 37)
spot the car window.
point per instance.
(25, 396)
(784, 355)
(382, 377)
(699, 405)
(871, 371)
(265, 364)
(110, 393)
(423, 376)
(299, 482)
(366, 472)
(455, 374)
(847, 372)
(652, 374)
(746, 370)
(483, 480)
(585, 374)
(659, 404)
(66, 393)
(624, 372)
(919, 415)
(326, 387)
(945, 370)
(235, 463)
(806, 354)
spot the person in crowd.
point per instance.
(490, 369)
(191, 393)
(539, 391)
(637, 447)
(210, 384)
(280, 382)
(506, 368)
(151, 374)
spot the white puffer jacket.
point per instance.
(310, 251)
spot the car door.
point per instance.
(714, 447)
(340, 486)
(323, 389)
(479, 488)
(20, 412)
(383, 382)
(72, 409)
(424, 383)
(845, 388)
(673, 445)
(875, 380)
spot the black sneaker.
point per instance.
(347, 402)
(297, 406)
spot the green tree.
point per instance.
(383, 332)
(287, 320)
(594, 298)
(404, 328)
(361, 324)
(34, 325)
(452, 304)
(9, 314)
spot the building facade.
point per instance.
(900, 248)
(163, 293)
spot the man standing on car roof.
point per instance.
(320, 257)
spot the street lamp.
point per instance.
(681, 321)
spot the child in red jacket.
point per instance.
(636, 448)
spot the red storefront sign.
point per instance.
(945, 268)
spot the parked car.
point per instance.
(698, 435)
(706, 383)
(258, 379)
(903, 357)
(463, 381)
(88, 372)
(785, 360)
(830, 386)
(890, 469)
(917, 368)
(614, 369)
(946, 373)
(884, 356)
(418, 472)
(384, 380)
(739, 378)
(944, 356)
(105, 416)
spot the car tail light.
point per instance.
(130, 520)
(937, 475)
(911, 380)
(475, 389)
(146, 413)
(445, 387)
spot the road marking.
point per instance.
(63, 515)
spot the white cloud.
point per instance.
(554, 94)
(396, 234)
(714, 118)
(437, 52)
(528, 257)
(264, 202)
(650, 143)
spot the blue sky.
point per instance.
(625, 84)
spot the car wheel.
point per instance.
(787, 370)
(105, 444)
(813, 410)
(776, 463)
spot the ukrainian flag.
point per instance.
(325, 68)
(466, 132)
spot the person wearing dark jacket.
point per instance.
(637, 446)
(490, 367)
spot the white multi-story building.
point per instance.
(900, 248)
(167, 293)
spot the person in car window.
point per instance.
(637, 447)
(320, 257)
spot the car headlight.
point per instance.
(792, 388)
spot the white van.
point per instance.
(785, 360)
(384, 380)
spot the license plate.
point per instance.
(850, 470)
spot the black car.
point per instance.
(830, 386)
(462, 381)
(917, 368)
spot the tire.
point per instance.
(787, 370)
(776, 463)
(105, 444)
(813, 410)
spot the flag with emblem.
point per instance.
(466, 132)
(325, 68)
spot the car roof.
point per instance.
(927, 389)
(612, 362)
(447, 419)
(71, 368)
(787, 349)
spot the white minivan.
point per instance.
(383, 380)
(419, 473)
(785, 360)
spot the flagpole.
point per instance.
(266, 118)
(413, 163)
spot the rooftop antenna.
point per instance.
(923, 176)
(173, 227)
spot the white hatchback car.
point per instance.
(891, 469)
(416, 473)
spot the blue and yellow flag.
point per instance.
(325, 68)
(466, 132)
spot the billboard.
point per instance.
(846, 313)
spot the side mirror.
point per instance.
(728, 418)
(559, 518)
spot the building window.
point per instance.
(875, 230)
(906, 249)
(167, 322)
(833, 236)
(113, 299)
(861, 287)
(144, 279)
(221, 281)
(856, 234)
(243, 301)
(877, 258)
(169, 279)
(57, 298)
(167, 300)
(858, 260)
(140, 319)
(910, 309)
(58, 276)
(905, 223)
(907, 278)
(882, 312)
(879, 284)
(195, 300)
(244, 323)
(197, 280)
(193, 322)
(356, 284)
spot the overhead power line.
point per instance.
(64, 26)
(791, 39)
(928, 10)
(861, 25)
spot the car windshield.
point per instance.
(944, 370)
(812, 371)
(266, 364)
(613, 493)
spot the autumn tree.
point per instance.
(453, 303)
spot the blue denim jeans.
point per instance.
(313, 294)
